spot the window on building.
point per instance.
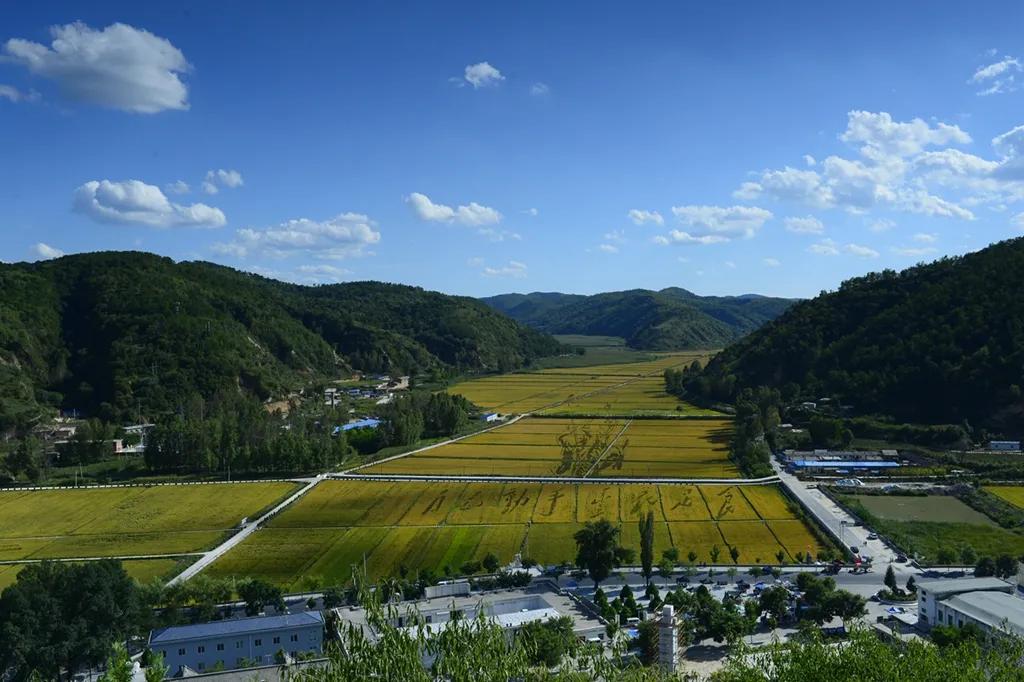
(258, 642)
(277, 640)
(295, 638)
(220, 647)
(200, 649)
(949, 618)
(181, 652)
(238, 644)
(202, 666)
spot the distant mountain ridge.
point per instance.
(935, 343)
(119, 334)
(669, 319)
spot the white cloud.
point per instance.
(617, 236)
(1018, 221)
(729, 264)
(482, 75)
(806, 225)
(215, 179)
(608, 248)
(346, 235)
(727, 221)
(639, 217)
(680, 237)
(9, 92)
(514, 268)
(861, 251)
(496, 235)
(177, 187)
(810, 160)
(46, 252)
(997, 77)
(322, 273)
(532, 212)
(826, 247)
(771, 262)
(881, 136)
(926, 237)
(472, 214)
(789, 184)
(120, 66)
(913, 251)
(135, 202)
(881, 225)
(539, 89)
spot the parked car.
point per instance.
(901, 558)
(682, 580)
(872, 536)
(855, 549)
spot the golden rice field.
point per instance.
(645, 396)
(143, 570)
(666, 448)
(520, 393)
(431, 526)
(1014, 494)
(629, 369)
(94, 522)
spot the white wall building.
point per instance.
(931, 595)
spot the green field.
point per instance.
(434, 525)
(923, 525)
(676, 448)
(93, 522)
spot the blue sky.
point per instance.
(478, 149)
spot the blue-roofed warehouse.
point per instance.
(837, 461)
(369, 423)
(237, 643)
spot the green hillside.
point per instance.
(118, 334)
(936, 343)
(653, 320)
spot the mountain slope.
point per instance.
(935, 343)
(115, 334)
(655, 320)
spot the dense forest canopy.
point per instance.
(936, 343)
(120, 335)
(670, 319)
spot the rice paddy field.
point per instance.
(99, 522)
(432, 526)
(652, 448)
(642, 397)
(1014, 494)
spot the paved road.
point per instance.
(604, 480)
(249, 528)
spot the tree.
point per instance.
(647, 641)
(258, 594)
(156, 671)
(911, 584)
(945, 556)
(986, 567)
(968, 557)
(491, 563)
(780, 557)
(27, 458)
(647, 545)
(774, 601)
(734, 553)
(714, 552)
(598, 550)
(119, 665)
(665, 568)
(546, 643)
(1006, 566)
(846, 605)
(65, 615)
(890, 580)
(691, 556)
(671, 554)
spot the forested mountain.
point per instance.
(936, 343)
(669, 319)
(118, 334)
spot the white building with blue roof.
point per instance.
(240, 642)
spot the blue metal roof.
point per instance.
(241, 626)
(362, 424)
(880, 464)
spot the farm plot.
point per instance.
(1014, 494)
(929, 526)
(128, 521)
(431, 526)
(644, 396)
(520, 393)
(643, 368)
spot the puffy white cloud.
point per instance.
(120, 66)
(926, 237)
(481, 75)
(539, 89)
(861, 251)
(680, 237)
(346, 235)
(532, 212)
(608, 248)
(13, 94)
(514, 268)
(177, 187)
(810, 160)
(135, 202)
(322, 273)
(826, 247)
(215, 179)
(789, 184)
(472, 214)
(771, 262)
(881, 136)
(806, 225)
(45, 251)
(997, 77)
(726, 221)
(639, 217)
